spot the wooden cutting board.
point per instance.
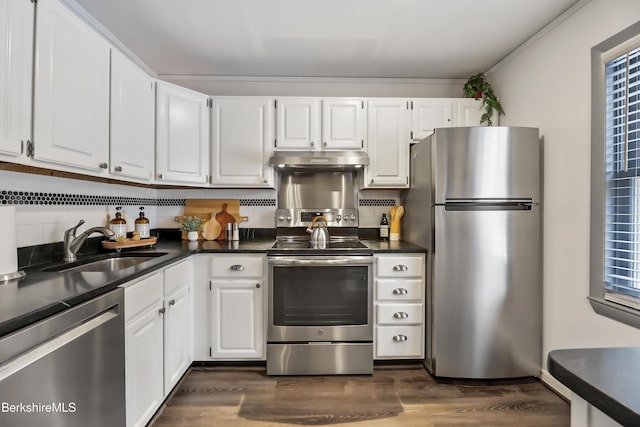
(223, 218)
(207, 210)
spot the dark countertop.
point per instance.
(607, 378)
(41, 294)
(389, 246)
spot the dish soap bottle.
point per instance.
(384, 227)
(142, 225)
(118, 226)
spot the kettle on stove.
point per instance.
(319, 232)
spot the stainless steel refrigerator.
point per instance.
(474, 203)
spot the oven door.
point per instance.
(320, 299)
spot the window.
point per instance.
(615, 187)
(622, 171)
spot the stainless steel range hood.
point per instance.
(310, 160)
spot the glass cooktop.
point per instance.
(350, 247)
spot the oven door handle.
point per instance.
(321, 261)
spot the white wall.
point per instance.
(547, 85)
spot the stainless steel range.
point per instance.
(320, 292)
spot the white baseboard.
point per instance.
(554, 384)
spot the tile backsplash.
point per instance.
(47, 206)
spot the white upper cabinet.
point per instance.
(71, 91)
(343, 123)
(241, 141)
(388, 143)
(428, 114)
(182, 135)
(298, 123)
(16, 70)
(132, 119)
(468, 112)
(320, 123)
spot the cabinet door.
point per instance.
(429, 114)
(238, 319)
(177, 336)
(388, 143)
(71, 91)
(132, 119)
(16, 59)
(343, 123)
(241, 142)
(297, 123)
(468, 112)
(144, 370)
(182, 135)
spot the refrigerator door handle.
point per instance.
(489, 205)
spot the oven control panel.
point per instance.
(304, 217)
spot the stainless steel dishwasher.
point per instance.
(67, 370)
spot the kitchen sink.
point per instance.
(109, 262)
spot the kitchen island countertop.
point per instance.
(606, 378)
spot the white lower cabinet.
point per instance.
(236, 309)
(178, 322)
(158, 329)
(399, 306)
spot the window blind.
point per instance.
(622, 168)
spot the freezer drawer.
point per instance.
(487, 295)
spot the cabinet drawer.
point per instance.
(399, 342)
(177, 276)
(140, 296)
(399, 289)
(399, 314)
(400, 266)
(237, 266)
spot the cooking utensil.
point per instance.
(319, 232)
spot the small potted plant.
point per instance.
(191, 224)
(479, 88)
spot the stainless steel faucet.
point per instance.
(73, 243)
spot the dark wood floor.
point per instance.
(395, 395)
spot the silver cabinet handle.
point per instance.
(162, 310)
(400, 267)
(325, 143)
(400, 338)
(313, 144)
(237, 267)
(400, 291)
(172, 302)
(400, 315)
(258, 285)
(160, 176)
(104, 165)
(118, 169)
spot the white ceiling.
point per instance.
(324, 38)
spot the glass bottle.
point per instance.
(119, 226)
(384, 227)
(142, 225)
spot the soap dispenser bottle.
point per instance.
(142, 225)
(119, 226)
